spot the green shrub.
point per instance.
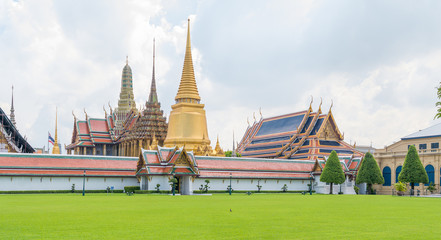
(431, 187)
(131, 188)
(400, 187)
(356, 189)
(152, 191)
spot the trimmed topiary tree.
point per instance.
(333, 172)
(369, 172)
(413, 170)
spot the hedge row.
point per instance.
(244, 191)
(215, 191)
(56, 191)
(152, 191)
(131, 188)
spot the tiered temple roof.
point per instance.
(61, 165)
(167, 161)
(87, 133)
(304, 135)
(10, 139)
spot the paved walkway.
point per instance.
(432, 195)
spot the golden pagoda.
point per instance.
(187, 122)
(56, 148)
(126, 102)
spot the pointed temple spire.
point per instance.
(12, 116)
(126, 102)
(56, 149)
(153, 97)
(188, 88)
(187, 123)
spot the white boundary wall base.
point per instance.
(16, 183)
(251, 184)
(188, 186)
(347, 187)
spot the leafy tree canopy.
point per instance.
(333, 172)
(413, 170)
(369, 171)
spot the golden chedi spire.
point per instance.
(187, 87)
(56, 148)
(187, 121)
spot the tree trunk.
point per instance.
(369, 189)
(412, 191)
(330, 191)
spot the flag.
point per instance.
(50, 139)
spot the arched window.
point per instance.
(386, 175)
(397, 172)
(430, 170)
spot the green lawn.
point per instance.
(259, 216)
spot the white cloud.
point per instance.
(379, 69)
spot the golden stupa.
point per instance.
(187, 122)
(56, 148)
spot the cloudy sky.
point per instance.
(378, 61)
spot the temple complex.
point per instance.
(126, 130)
(188, 124)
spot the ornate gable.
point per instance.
(184, 164)
(329, 129)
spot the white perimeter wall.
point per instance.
(222, 184)
(8, 183)
(251, 184)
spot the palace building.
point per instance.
(391, 158)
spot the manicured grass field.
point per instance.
(258, 216)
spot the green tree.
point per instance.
(369, 172)
(413, 170)
(333, 172)
(228, 153)
(438, 104)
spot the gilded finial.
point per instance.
(105, 112)
(320, 107)
(110, 107)
(85, 113)
(260, 112)
(310, 104)
(248, 121)
(73, 114)
(127, 59)
(332, 104)
(254, 116)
